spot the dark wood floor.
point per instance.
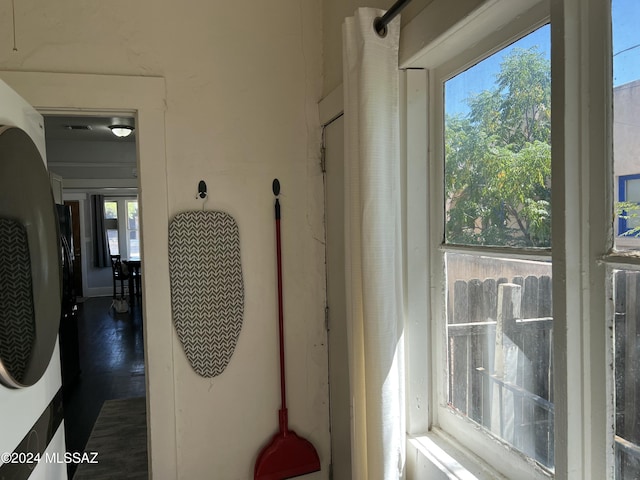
(111, 360)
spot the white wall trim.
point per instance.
(146, 96)
(437, 21)
(92, 164)
(87, 184)
(331, 106)
(439, 33)
(419, 347)
(75, 196)
(582, 230)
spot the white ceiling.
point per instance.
(57, 128)
(93, 157)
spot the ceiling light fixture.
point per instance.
(121, 130)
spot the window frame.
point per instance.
(622, 188)
(582, 223)
(617, 257)
(122, 226)
(128, 231)
(468, 433)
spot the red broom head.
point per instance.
(286, 456)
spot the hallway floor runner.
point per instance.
(119, 438)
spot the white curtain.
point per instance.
(373, 247)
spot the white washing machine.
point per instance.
(31, 415)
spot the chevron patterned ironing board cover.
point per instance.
(207, 291)
(17, 327)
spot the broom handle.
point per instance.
(280, 309)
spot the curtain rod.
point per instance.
(380, 23)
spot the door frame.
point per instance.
(337, 333)
(330, 110)
(146, 97)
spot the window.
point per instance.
(498, 148)
(626, 281)
(497, 194)
(565, 266)
(123, 237)
(133, 230)
(111, 225)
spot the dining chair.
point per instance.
(119, 274)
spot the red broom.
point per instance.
(287, 455)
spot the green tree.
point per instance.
(498, 159)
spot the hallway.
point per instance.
(112, 366)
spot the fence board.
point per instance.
(630, 384)
(620, 347)
(460, 302)
(501, 359)
(503, 413)
(475, 349)
(530, 300)
(459, 373)
(490, 299)
(545, 297)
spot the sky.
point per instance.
(626, 57)
(482, 75)
(626, 41)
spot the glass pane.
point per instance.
(633, 190)
(626, 127)
(632, 195)
(110, 209)
(627, 373)
(132, 215)
(499, 349)
(114, 246)
(498, 148)
(134, 245)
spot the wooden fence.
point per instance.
(500, 336)
(501, 360)
(627, 374)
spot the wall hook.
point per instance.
(202, 189)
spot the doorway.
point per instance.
(62, 92)
(105, 347)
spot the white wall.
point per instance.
(242, 83)
(92, 160)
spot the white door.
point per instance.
(336, 300)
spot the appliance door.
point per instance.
(30, 270)
(31, 411)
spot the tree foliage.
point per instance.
(498, 159)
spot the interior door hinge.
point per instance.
(326, 318)
(323, 150)
(323, 159)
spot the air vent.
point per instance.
(78, 127)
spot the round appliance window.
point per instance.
(30, 255)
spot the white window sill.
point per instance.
(436, 456)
